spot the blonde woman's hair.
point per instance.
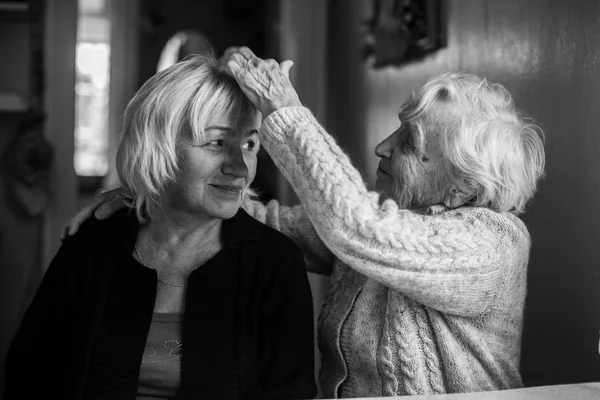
(180, 100)
(493, 150)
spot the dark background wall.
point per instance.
(225, 23)
(20, 230)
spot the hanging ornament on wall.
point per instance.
(27, 166)
(181, 45)
(402, 31)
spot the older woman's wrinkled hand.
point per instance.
(104, 204)
(265, 82)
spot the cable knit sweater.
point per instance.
(420, 303)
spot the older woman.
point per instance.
(186, 296)
(429, 271)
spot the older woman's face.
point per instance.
(215, 174)
(411, 170)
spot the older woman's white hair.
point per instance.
(494, 152)
(178, 100)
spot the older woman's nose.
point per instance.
(235, 165)
(385, 148)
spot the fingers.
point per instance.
(234, 69)
(85, 213)
(64, 232)
(243, 54)
(243, 57)
(225, 58)
(285, 67)
(246, 52)
(73, 226)
(110, 207)
(230, 50)
(224, 67)
(231, 55)
(227, 54)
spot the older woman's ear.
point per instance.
(456, 197)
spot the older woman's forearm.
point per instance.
(449, 262)
(294, 223)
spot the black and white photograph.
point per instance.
(300, 199)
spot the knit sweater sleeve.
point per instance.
(449, 262)
(295, 224)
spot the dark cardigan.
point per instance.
(247, 328)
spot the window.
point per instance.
(92, 93)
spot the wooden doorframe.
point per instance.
(59, 60)
(124, 56)
(303, 39)
(60, 69)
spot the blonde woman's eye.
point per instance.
(216, 143)
(249, 145)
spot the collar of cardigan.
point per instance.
(122, 228)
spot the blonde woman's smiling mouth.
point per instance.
(232, 191)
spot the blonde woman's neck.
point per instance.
(178, 243)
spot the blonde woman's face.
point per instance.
(215, 175)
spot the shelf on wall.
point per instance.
(12, 103)
(13, 6)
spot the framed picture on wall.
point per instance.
(402, 31)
